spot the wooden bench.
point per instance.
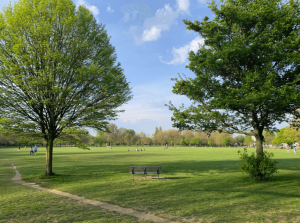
(145, 170)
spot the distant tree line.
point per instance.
(173, 137)
(121, 137)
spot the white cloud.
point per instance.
(137, 112)
(180, 54)
(131, 15)
(109, 9)
(152, 34)
(126, 17)
(183, 5)
(92, 8)
(147, 108)
(150, 104)
(162, 21)
(164, 18)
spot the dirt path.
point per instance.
(140, 215)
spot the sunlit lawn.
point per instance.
(199, 184)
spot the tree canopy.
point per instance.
(58, 71)
(130, 131)
(247, 70)
(239, 139)
(195, 141)
(287, 135)
(248, 140)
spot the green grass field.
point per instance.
(200, 185)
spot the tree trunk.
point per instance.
(259, 141)
(49, 154)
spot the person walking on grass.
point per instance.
(31, 150)
(295, 150)
(287, 150)
(35, 149)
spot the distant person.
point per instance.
(31, 150)
(35, 149)
(287, 150)
(25, 148)
(295, 150)
(19, 148)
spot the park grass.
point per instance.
(200, 185)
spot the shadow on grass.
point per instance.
(209, 189)
(93, 169)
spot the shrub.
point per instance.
(195, 141)
(258, 167)
(225, 142)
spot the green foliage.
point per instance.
(287, 135)
(225, 142)
(130, 131)
(240, 139)
(187, 139)
(279, 138)
(29, 140)
(74, 136)
(224, 139)
(248, 140)
(195, 141)
(258, 167)
(100, 138)
(269, 136)
(58, 72)
(247, 70)
(209, 143)
(181, 142)
(156, 131)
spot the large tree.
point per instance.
(58, 71)
(247, 70)
(287, 135)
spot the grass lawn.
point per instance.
(201, 185)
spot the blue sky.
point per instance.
(152, 45)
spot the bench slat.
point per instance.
(147, 172)
(149, 169)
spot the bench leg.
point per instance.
(157, 176)
(133, 176)
(145, 176)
